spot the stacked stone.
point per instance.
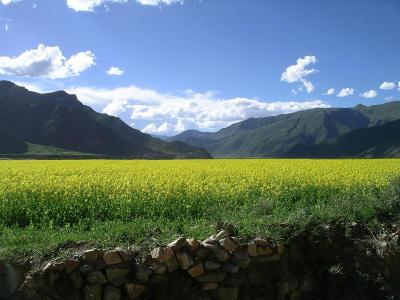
(112, 275)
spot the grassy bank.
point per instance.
(47, 205)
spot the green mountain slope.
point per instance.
(59, 120)
(276, 136)
(377, 141)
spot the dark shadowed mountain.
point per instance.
(279, 136)
(59, 120)
(9, 143)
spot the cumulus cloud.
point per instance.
(164, 128)
(32, 87)
(46, 61)
(369, 94)
(90, 5)
(387, 85)
(158, 2)
(115, 71)
(331, 91)
(116, 107)
(345, 92)
(172, 113)
(6, 2)
(299, 72)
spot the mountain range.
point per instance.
(58, 123)
(361, 131)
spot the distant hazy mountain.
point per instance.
(280, 136)
(59, 120)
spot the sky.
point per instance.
(165, 66)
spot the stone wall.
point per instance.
(184, 269)
(334, 264)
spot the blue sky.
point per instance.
(164, 66)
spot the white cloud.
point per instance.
(34, 6)
(387, 85)
(90, 5)
(299, 72)
(115, 71)
(132, 93)
(31, 86)
(115, 108)
(369, 94)
(331, 91)
(398, 86)
(173, 113)
(345, 92)
(46, 61)
(164, 128)
(6, 27)
(158, 2)
(6, 2)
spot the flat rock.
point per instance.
(117, 276)
(209, 246)
(112, 257)
(35, 282)
(211, 241)
(265, 250)
(252, 249)
(202, 252)
(91, 255)
(228, 244)
(54, 266)
(260, 242)
(77, 280)
(134, 290)
(71, 265)
(208, 286)
(184, 260)
(96, 277)
(230, 268)
(93, 292)
(196, 270)
(111, 293)
(211, 265)
(178, 244)
(85, 269)
(159, 268)
(194, 244)
(162, 254)
(125, 256)
(212, 277)
(221, 255)
(143, 273)
(172, 264)
(222, 234)
(241, 259)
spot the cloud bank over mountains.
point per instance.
(173, 113)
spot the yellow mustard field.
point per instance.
(71, 192)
